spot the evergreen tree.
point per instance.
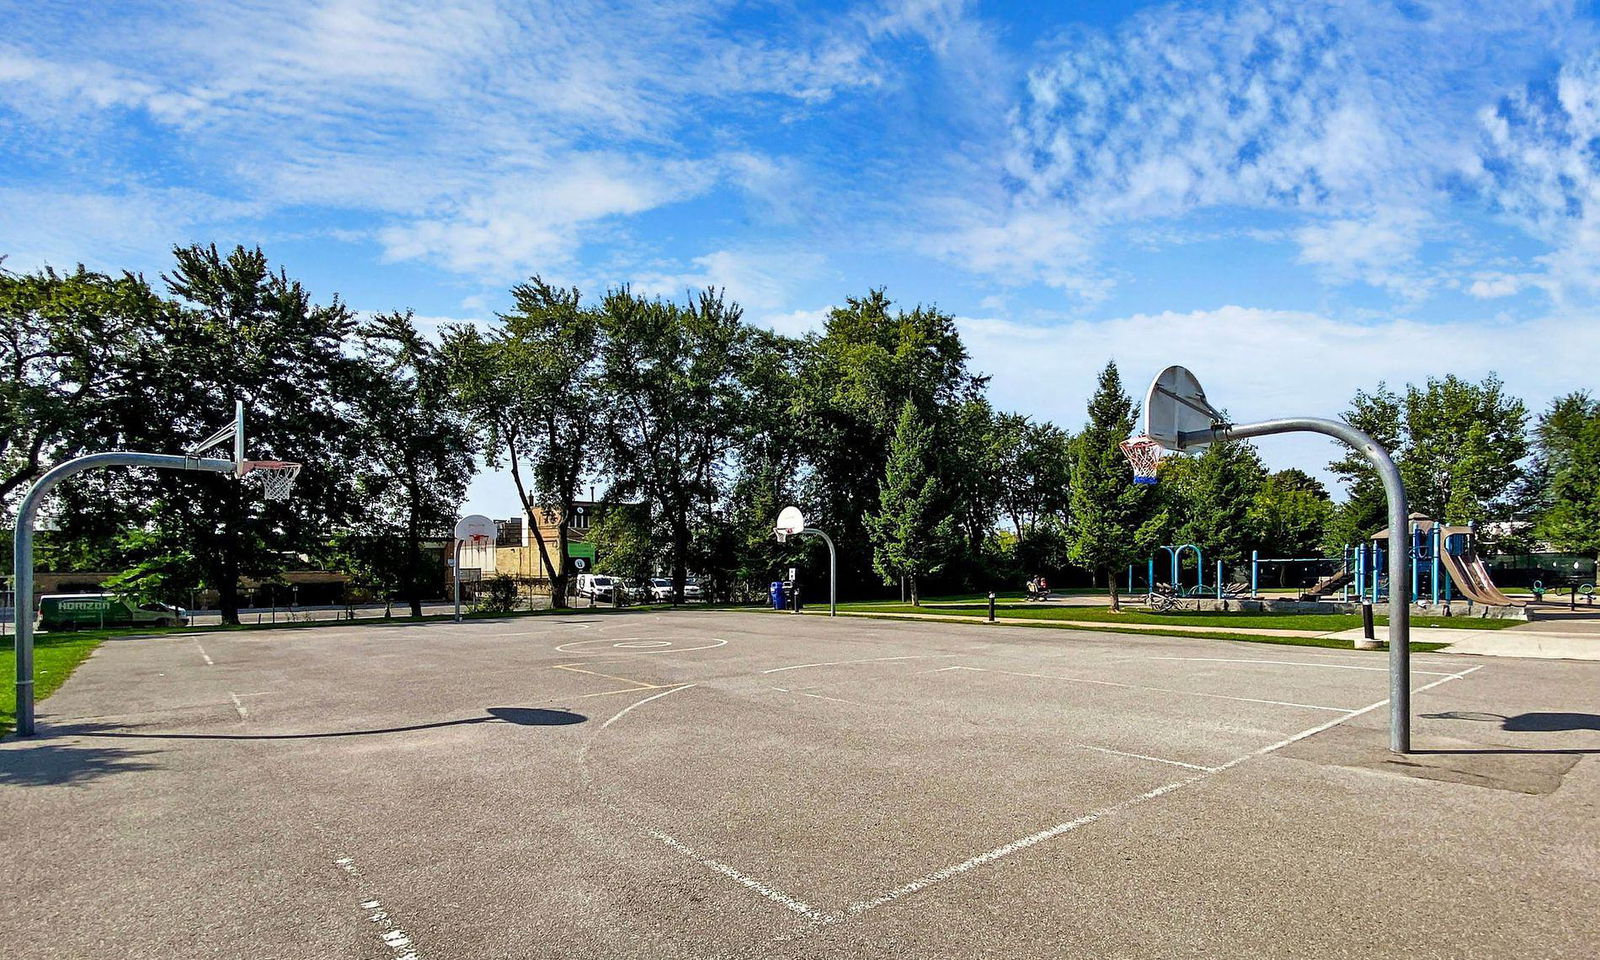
(912, 525)
(1111, 525)
(1569, 436)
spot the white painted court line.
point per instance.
(396, 939)
(239, 706)
(939, 876)
(1186, 693)
(1289, 663)
(624, 646)
(203, 655)
(771, 893)
(634, 706)
(1142, 756)
(835, 663)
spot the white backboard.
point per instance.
(790, 521)
(474, 526)
(1177, 404)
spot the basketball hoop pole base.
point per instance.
(1399, 560)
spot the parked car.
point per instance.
(661, 590)
(595, 586)
(84, 611)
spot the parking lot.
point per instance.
(701, 783)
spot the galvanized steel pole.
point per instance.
(833, 571)
(22, 551)
(1399, 564)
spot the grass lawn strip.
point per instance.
(54, 659)
(1319, 622)
(1285, 639)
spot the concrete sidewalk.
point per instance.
(1515, 642)
(1080, 624)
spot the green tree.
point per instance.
(415, 452)
(1211, 496)
(70, 346)
(238, 331)
(675, 393)
(853, 380)
(531, 387)
(1288, 515)
(1111, 522)
(1569, 454)
(912, 526)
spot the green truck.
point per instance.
(87, 611)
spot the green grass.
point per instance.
(1320, 622)
(1289, 641)
(55, 656)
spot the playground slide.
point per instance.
(1328, 585)
(1472, 579)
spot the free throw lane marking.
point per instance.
(1290, 663)
(835, 663)
(239, 706)
(578, 668)
(750, 883)
(939, 876)
(203, 655)
(1186, 693)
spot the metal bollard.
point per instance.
(991, 606)
(1369, 637)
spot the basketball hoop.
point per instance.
(275, 476)
(1144, 455)
(790, 522)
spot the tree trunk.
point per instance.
(413, 554)
(558, 583)
(680, 559)
(1111, 588)
(916, 598)
(228, 596)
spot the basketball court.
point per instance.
(697, 784)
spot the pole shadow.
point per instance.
(520, 716)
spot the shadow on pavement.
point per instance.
(521, 716)
(1524, 723)
(44, 763)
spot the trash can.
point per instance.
(776, 591)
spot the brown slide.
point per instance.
(1472, 578)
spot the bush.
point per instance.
(498, 594)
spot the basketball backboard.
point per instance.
(1176, 404)
(790, 522)
(475, 528)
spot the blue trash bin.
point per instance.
(776, 590)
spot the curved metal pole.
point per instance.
(1399, 564)
(833, 570)
(22, 550)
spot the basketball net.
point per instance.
(1144, 455)
(275, 476)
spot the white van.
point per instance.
(595, 586)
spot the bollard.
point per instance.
(991, 606)
(1369, 638)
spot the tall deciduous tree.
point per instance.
(70, 346)
(1212, 495)
(415, 452)
(1569, 456)
(674, 394)
(1111, 524)
(239, 331)
(912, 527)
(531, 388)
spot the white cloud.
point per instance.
(1353, 116)
(762, 282)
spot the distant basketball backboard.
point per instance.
(790, 522)
(1176, 404)
(475, 528)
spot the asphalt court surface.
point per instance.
(701, 784)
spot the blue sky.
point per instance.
(1295, 199)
